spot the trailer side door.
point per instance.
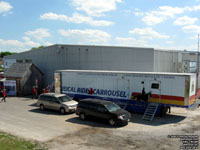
(124, 85)
(155, 89)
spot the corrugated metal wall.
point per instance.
(165, 61)
(57, 57)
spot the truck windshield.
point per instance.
(64, 98)
(112, 107)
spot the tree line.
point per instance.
(6, 53)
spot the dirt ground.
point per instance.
(139, 134)
(20, 116)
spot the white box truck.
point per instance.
(136, 89)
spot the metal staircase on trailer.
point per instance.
(150, 111)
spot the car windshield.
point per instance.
(112, 107)
(64, 98)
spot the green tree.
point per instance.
(34, 48)
(6, 53)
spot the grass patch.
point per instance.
(10, 142)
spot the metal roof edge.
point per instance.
(128, 72)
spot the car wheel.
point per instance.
(62, 110)
(82, 116)
(42, 107)
(112, 122)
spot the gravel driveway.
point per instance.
(21, 117)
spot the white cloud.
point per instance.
(53, 16)
(195, 37)
(17, 46)
(129, 41)
(161, 14)
(25, 38)
(14, 43)
(132, 42)
(148, 33)
(5, 7)
(38, 34)
(197, 7)
(47, 44)
(96, 7)
(164, 12)
(28, 42)
(191, 29)
(169, 11)
(151, 19)
(138, 12)
(86, 36)
(170, 42)
(185, 20)
(76, 18)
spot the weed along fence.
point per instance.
(134, 89)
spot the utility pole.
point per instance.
(198, 42)
(197, 65)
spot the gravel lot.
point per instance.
(21, 117)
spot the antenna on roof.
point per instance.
(198, 43)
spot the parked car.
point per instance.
(103, 110)
(60, 102)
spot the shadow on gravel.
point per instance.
(158, 120)
(34, 105)
(48, 112)
(91, 122)
(27, 98)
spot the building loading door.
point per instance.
(155, 89)
(124, 85)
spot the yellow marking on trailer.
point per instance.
(166, 101)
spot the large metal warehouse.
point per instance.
(85, 57)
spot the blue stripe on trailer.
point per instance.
(132, 105)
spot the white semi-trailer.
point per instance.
(136, 89)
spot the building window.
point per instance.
(155, 86)
(193, 67)
(28, 60)
(19, 60)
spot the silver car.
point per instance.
(60, 102)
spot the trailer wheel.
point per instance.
(112, 122)
(82, 116)
(42, 107)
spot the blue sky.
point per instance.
(162, 24)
